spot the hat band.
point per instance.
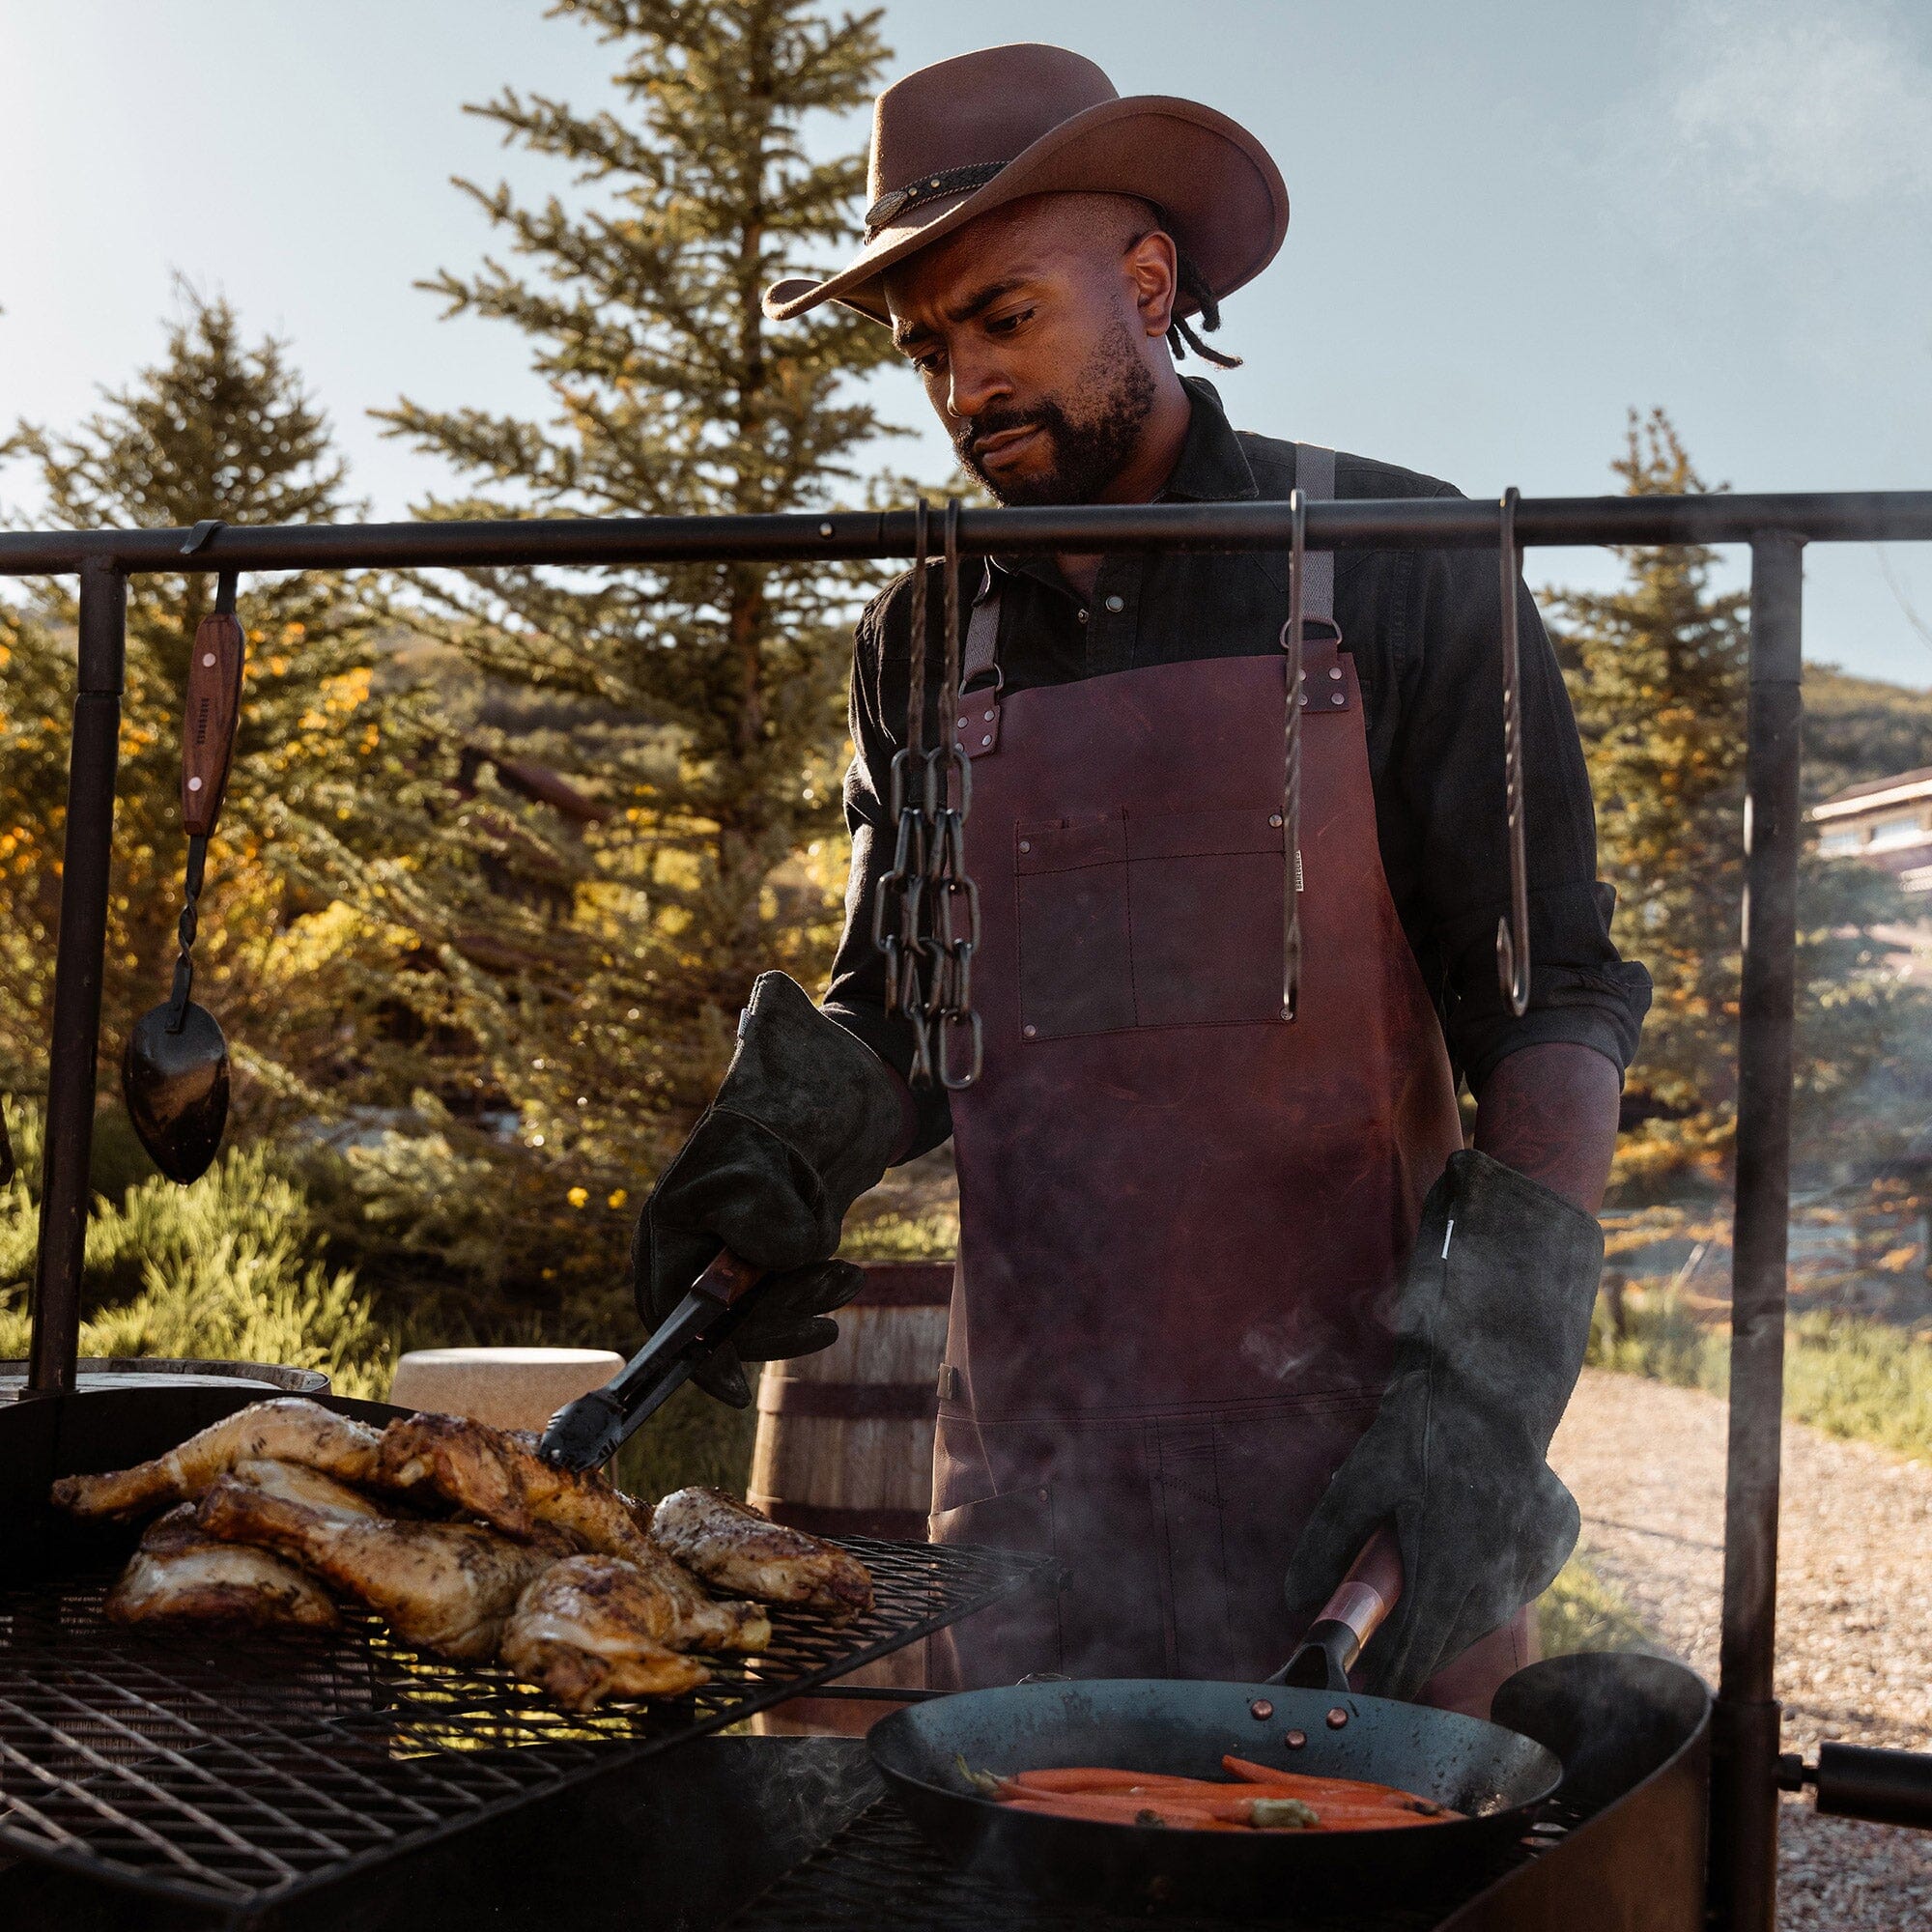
(929, 188)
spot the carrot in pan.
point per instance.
(1260, 1797)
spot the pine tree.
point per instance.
(701, 705)
(1658, 674)
(316, 903)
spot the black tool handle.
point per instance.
(1350, 1617)
(585, 1434)
(1886, 1787)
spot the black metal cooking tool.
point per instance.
(585, 1434)
(1350, 1617)
(174, 1073)
(1185, 1727)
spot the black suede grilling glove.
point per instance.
(807, 1119)
(1490, 1328)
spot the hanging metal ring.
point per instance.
(1513, 931)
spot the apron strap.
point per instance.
(1315, 476)
(982, 632)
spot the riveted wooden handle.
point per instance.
(207, 733)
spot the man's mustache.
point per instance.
(983, 428)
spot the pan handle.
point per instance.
(1350, 1617)
(1887, 1788)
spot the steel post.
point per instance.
(1745, 1727)
(78, 962)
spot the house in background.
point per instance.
(1886, 822)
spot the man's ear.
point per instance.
(1152, 267)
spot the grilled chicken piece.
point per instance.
(178, 1575)
(294, 1484)
(586, 1630)
(497, 1475)
(445, 1587)
(687, 1618)
(730, 1544)
(286, 1429)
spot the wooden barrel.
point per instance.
(844, 1444)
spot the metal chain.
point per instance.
(925, 914)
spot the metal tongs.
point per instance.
(585, 1434)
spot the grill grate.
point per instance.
(881, 1872)
(239, 1771)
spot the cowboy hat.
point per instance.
(956, 139)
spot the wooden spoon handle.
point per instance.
(207, 733)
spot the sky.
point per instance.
(1513, 221)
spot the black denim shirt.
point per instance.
(1422, 626)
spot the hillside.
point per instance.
(1857, 728)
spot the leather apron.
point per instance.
(1183, 1218)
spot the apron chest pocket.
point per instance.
(1148, 920)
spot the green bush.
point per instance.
(1581, 1611)
(231, 1269)
(1865, 1380)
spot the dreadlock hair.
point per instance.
(1180, 336)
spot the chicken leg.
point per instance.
(445, 1587)
(286, 1429)
(586, 1630)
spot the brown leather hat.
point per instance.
(954, 140)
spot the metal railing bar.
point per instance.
(845, 535)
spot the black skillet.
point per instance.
(1184, 1726)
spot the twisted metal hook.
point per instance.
(1290, 778)
(1512, 933)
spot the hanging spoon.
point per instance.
(175, 1071)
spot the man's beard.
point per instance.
(1116, 395)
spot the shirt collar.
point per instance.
(1211, 469)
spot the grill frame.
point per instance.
(79, 1697)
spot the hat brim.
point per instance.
(1216, 183)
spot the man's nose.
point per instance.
(972, 382)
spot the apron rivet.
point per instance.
(1261, 1710)
(1026, 845)
(1335, 671)
(1274, 818)
(1305, 700)
(1336, 698)
(962, 723)
(985, 741)
(1030, 1031)
(989, 718)
(1337, 1717)
(1295, 1739)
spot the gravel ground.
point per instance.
(1646, 1463)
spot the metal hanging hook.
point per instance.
(1513, 931)
(1290, 778)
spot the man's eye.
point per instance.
(1006, 325)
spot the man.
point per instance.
(1198, 1349)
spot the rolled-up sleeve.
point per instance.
(1449, 772)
